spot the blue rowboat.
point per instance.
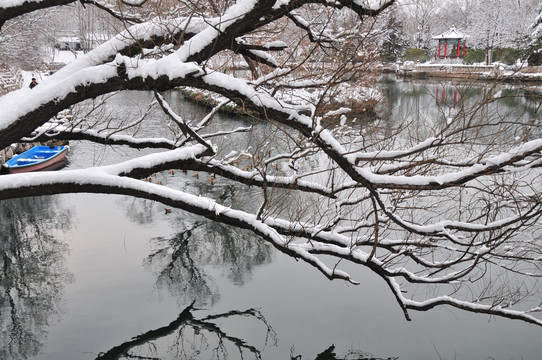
(37, 159)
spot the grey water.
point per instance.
(84, 274)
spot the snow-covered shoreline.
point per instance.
(500, 72)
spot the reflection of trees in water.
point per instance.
(493, 112)
(32, 273)
(181, 259)
(189, 338)
(180, 262)
(175, 261)
(137, 210)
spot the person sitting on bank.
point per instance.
(33, 83)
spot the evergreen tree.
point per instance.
(393, 42)
(536, 35)
(535, 58)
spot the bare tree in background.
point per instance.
(489, 24)
(22, 40)
(445, 211)
(420, 20)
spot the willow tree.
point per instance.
(452, 208)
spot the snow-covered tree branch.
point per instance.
(442, 208)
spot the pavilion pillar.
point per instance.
(458, 47)
(439, 49)
(464, 48)
(445, 49)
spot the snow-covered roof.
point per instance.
(450, 34)
(68, 39)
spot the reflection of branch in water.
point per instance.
(122, 349)
(329, 354)
(187, 320)
(250, 312)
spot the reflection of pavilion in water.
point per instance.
(447, 95)
(448, 99)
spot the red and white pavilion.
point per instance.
(451, 44)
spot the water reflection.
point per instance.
(189, 255)
(33, 275)
(500, 112)
(181, 261)
(188, 337)
(352, 354)
(191, 338)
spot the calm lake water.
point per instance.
(83, 274)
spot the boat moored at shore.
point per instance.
(38, 158)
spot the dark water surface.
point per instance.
(83, 274)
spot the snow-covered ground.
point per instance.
(62, 56)
(53, 57)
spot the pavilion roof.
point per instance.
(450, 34)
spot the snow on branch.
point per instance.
(496, 310)
(484, 167)
(72, 84)
(105, 180)
(103, 138)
